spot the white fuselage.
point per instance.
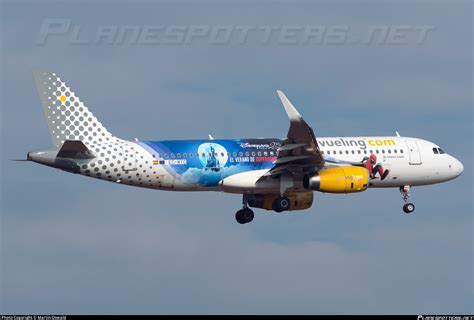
(411, 161)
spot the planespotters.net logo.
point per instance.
(420, 317)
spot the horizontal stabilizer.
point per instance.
(75, 149)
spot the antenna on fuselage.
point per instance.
(398, 135)
(210, 137)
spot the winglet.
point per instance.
(293, 114)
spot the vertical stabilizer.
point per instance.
(67, 116)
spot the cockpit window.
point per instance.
(435, 150)
(441, 151)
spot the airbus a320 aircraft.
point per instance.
(272, 174)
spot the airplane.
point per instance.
(278, 175)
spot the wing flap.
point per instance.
(291, 146)
(281, 160)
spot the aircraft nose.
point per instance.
(457, 167)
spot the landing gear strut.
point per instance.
(408, 207)
(244, 215)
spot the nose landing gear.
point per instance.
(408, 207)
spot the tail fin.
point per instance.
(68, 118)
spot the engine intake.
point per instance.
(338, 180)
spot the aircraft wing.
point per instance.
(299, 154)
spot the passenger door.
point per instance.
(414, 152)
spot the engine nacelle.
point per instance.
(339, 180)
(298, 200)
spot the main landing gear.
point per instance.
(408, 207)
(281, 204)
(244, 215)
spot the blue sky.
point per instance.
(76, 245)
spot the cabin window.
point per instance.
(234, 154)
(389, 151)
(347, 151)
(371, 151)
(259, 154)
(334, 152)
(401, 150)
(377, 151)
(178, 155)
(241, 154)
(185, 155)
(166, 156)
(352, 152)
(222, 154)
(272, 153)
(265, 153)
(172, 156)
(340, 151)
(253, 154)
(395, 151)
(247, 154)
(441, 151)
(190, 154)
(383, 151)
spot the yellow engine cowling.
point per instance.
(298, 200)
(339, 180)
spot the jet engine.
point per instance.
(338, 180)
(298, 200)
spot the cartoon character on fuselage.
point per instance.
(373, 167)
